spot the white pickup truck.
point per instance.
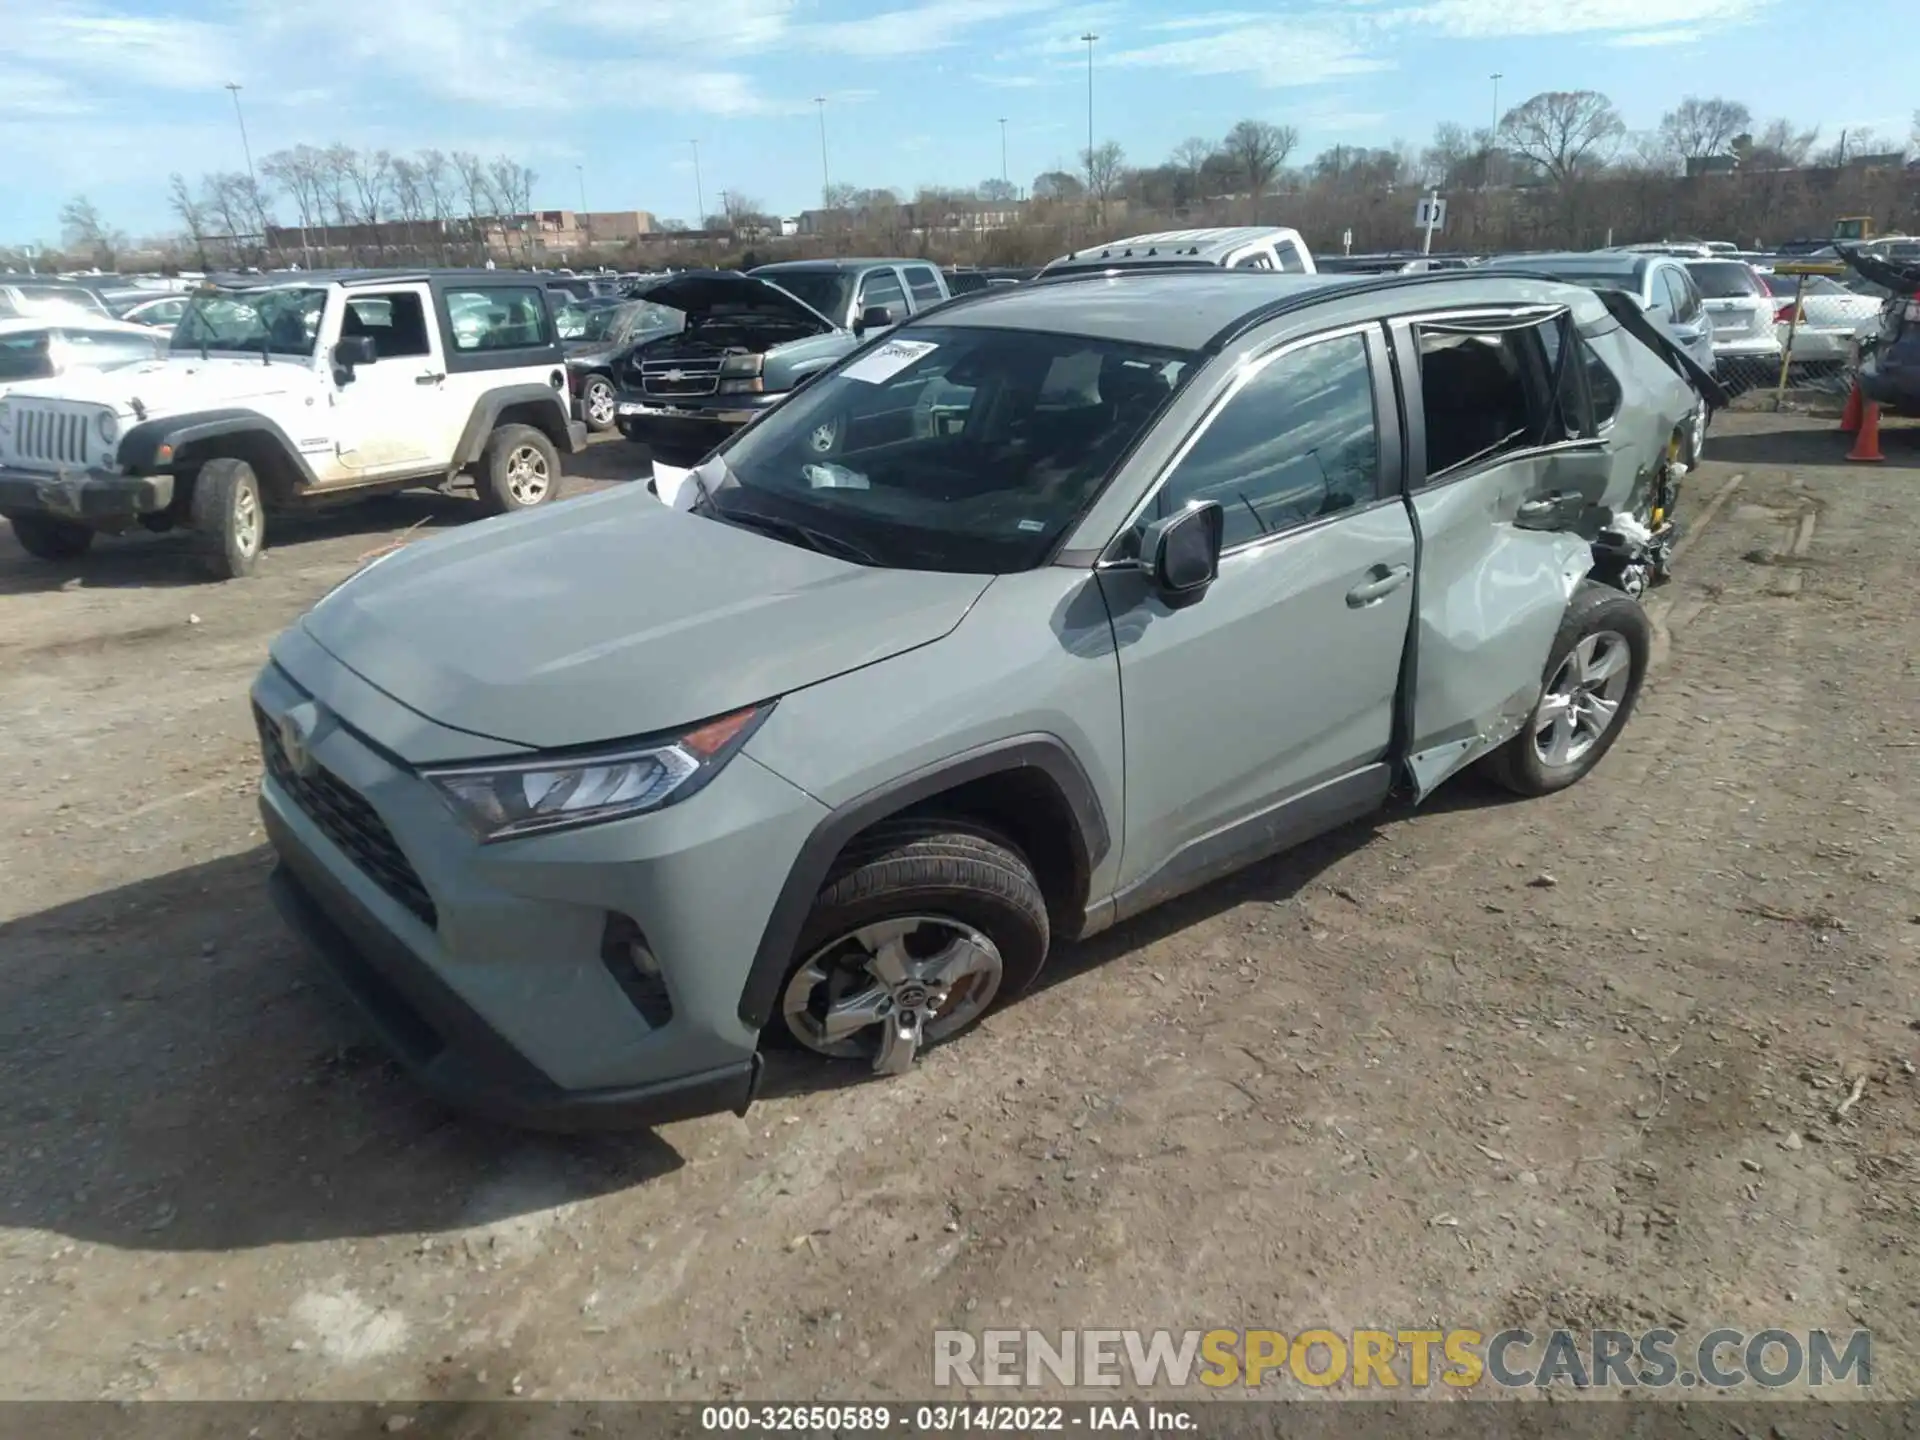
(291, 393)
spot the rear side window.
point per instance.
(925, 286)
(1258, 260)
(1603, 388)
(1297, 441)
(1292, 260)
(1724, 280)
(498, 317)
(1475, 396)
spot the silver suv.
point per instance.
(1104, 586)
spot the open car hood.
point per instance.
(702, 292)
(1895, 275)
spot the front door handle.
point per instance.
(1547, 512)
(428, 379)
(1381, 581)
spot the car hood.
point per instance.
(610, 617)
(591, 352)
(699, 292)
(167, 387)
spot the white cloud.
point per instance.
(913, 30)
(1640, 39)
(1486, 19)
(168, 52)
(1274, 53)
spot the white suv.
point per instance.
(290, 393)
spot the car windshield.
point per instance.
(58, 299)
(828, 291)
(1815, 285)
(279, 322)
(957, 449)
(1723, 279)
(614, 323)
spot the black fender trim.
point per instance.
(139, 452)
(1047, 753)
(486, 412)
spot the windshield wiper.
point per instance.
(820, 540)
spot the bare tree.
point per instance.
(1257, 150)
(1104, 164)
(1192, 154)
(997, 190)
(512, 186)
(1778, 147)
(186, 205)
(741, 210)
(477, 190)
(1696, 128)
(83, 231)
(336, 182)
(369, 176)
(299, 173)
(1563, 132)
(223, 199)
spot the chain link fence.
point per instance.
(1794, 335)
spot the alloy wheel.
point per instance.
(246, 519)
(883, 991)
(528, 479)
(1582, 701)
(600, 402)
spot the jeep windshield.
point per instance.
(278, 322)
(945, 448)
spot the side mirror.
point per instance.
(1181, 554)
(874, 317)
(352, 350)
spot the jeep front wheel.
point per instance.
(45, 538)
(518, 470)
(228, 520)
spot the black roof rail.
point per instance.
(1359, 285)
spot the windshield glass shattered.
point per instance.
(946, 448)
(280, 322)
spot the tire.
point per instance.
(597, 404)
(1525, 764)
(960, 894)
(518, 470)
(1693, 442)
(45, 538)
(228, 520)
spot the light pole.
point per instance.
(820, 104)
(580, 172)
(700, 195)
(246, 149)
(1495, 77)
(1003, 150)
(1088, 40)
(1493, 135)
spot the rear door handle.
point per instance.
(429, 379)
(1382, 581)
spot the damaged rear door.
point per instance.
(1506, 474)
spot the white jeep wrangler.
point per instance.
(294, 393)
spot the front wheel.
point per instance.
(1593, 676)
(923, 926)
(228, 520)
(597, 404)
(519, 469)
(45, 538)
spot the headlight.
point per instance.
(108, 426)
(742, 365)
(523, 797)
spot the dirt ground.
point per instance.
(1572, 1061)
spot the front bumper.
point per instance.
(82, 494)
(483, 966)
(710, 416)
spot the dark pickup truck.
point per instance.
(750, 338)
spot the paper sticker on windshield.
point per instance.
(889, 360)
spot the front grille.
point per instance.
(59, 437)
(680, 377)
(349, 822)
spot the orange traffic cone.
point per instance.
(1867, 445)
(1850, 417)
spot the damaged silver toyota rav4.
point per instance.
(1098, 589)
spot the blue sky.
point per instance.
(106, 98)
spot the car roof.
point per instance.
(80, 320)
(282, 279)
(847, 263)
(1589, 262)
(1201, 307)
(1208, 245)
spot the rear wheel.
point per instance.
(228, 520)
(923, 926)
(45, 538)
(518, 470)
(1593, 676)
(597, 404)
